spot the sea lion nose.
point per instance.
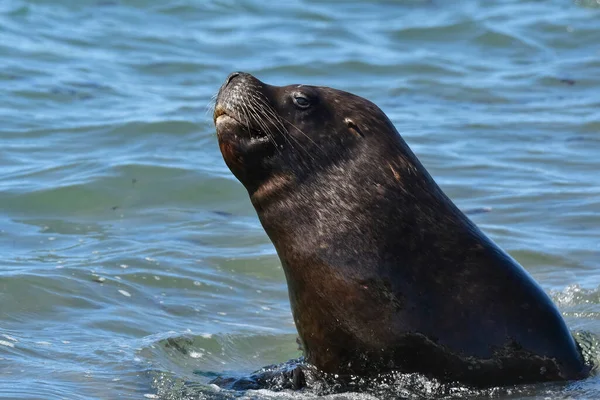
(231, 77)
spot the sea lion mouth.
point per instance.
(232, 123)
(221, 112)
(230, 127)
(221, 116)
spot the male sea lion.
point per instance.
(384, 272)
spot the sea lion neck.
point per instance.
(338, 196)
(271, 190)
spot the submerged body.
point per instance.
(384, 272)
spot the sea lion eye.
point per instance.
(301, 101)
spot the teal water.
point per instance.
(132, 264)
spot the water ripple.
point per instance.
(129, 251)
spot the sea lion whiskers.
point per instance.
(212, 103)
(265, 122)
(244, 113)
(280, 119)
(247, 110)
(278, 123)
(264, 109)
(318, 147)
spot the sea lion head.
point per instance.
(273, 134)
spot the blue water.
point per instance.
(131, 258)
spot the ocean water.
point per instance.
(132, 264)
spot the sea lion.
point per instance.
(384, 272)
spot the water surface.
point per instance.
(131, 258)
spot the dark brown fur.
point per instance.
(384, 272)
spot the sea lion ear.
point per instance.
(352, 127)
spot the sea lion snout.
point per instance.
(235, 80)
(231, 77)
(239, 98)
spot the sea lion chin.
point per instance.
(384, 272)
